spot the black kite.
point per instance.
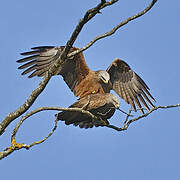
(83, 81)
(102, 106)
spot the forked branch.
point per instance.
(128, 122)
(114, 29)
(17, 146)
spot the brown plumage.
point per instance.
(75, 71)
(83, 81)
(128, 85)
(102, 106)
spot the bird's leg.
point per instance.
(127, 117)
(103, 122)
(87, 104)
(103, 114)
(100, 122)
(117, 128)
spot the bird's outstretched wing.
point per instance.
(129, 86)
(101, 105)
(39, 60)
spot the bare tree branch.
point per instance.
(113, 30)
(149, 112)
(23, 108)
(87, 17)
(128, 122)
(17, 146)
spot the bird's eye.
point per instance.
(103, 78)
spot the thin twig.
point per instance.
(149, 112)
(87, 17)
(127, 123)
(49, 108)
(23, 108)
(113, 30)
(17, 146)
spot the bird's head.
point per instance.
(104, 76)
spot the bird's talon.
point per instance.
(125, 127)
(104, 122)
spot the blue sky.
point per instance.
(150, 148)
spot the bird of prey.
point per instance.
(83, 81)
(102, 106)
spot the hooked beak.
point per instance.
(105, 81)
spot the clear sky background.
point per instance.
(150, 148)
